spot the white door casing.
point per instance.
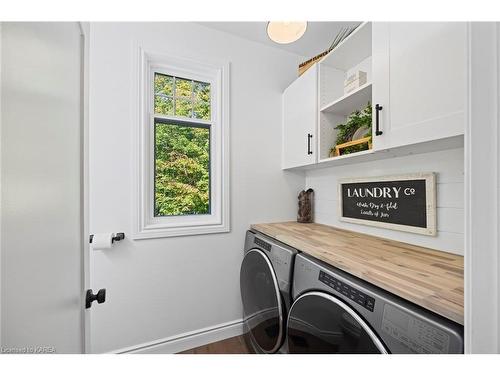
(85, 37)
(482, 192)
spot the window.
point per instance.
(182, 150)
(182, 179)
(181, 97)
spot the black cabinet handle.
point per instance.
(378, 108)
(309, 136)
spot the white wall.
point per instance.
(40, 197)
(161, 288)
(449, 166)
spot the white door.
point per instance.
(41, 187)
(300, 112)
(419, 80)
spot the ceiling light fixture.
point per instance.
(285, 32)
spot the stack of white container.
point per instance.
(354, 81)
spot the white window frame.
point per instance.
(146, 225)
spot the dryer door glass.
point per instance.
(262, 305)
(321, 323)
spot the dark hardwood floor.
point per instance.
(233, 345)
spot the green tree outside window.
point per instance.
(182, 151)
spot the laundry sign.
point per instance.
(404, 202)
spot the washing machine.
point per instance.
(265, 284)
(335, 312)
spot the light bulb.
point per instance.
(286, 32)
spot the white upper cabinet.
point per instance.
(416, 75)
(419, 80)
(300, 113)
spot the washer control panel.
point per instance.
(415, 334)
(281, 259)
(353, 294)
(262, 244)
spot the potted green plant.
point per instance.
(357, 127)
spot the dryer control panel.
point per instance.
(353, 294)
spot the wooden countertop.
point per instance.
(429, 278)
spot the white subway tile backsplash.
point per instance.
(450, 220)
(450, 195)
(449, 168)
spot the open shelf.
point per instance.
(347, 156)
(372, 155)
(353, 49)
(353, 54)
(355, 100)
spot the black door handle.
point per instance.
(378, 108)
(100, 297)
(309, 136)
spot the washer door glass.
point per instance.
(262, 306)
(321, 323)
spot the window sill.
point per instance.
(166, 232)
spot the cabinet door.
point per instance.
(419, 79)
(300, 111)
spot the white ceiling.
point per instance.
(317, 38)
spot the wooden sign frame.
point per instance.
(430, 195)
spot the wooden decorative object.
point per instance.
(305, 213)
(337, 151)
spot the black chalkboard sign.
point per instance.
(405, 203)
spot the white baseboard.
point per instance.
(186, 341)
